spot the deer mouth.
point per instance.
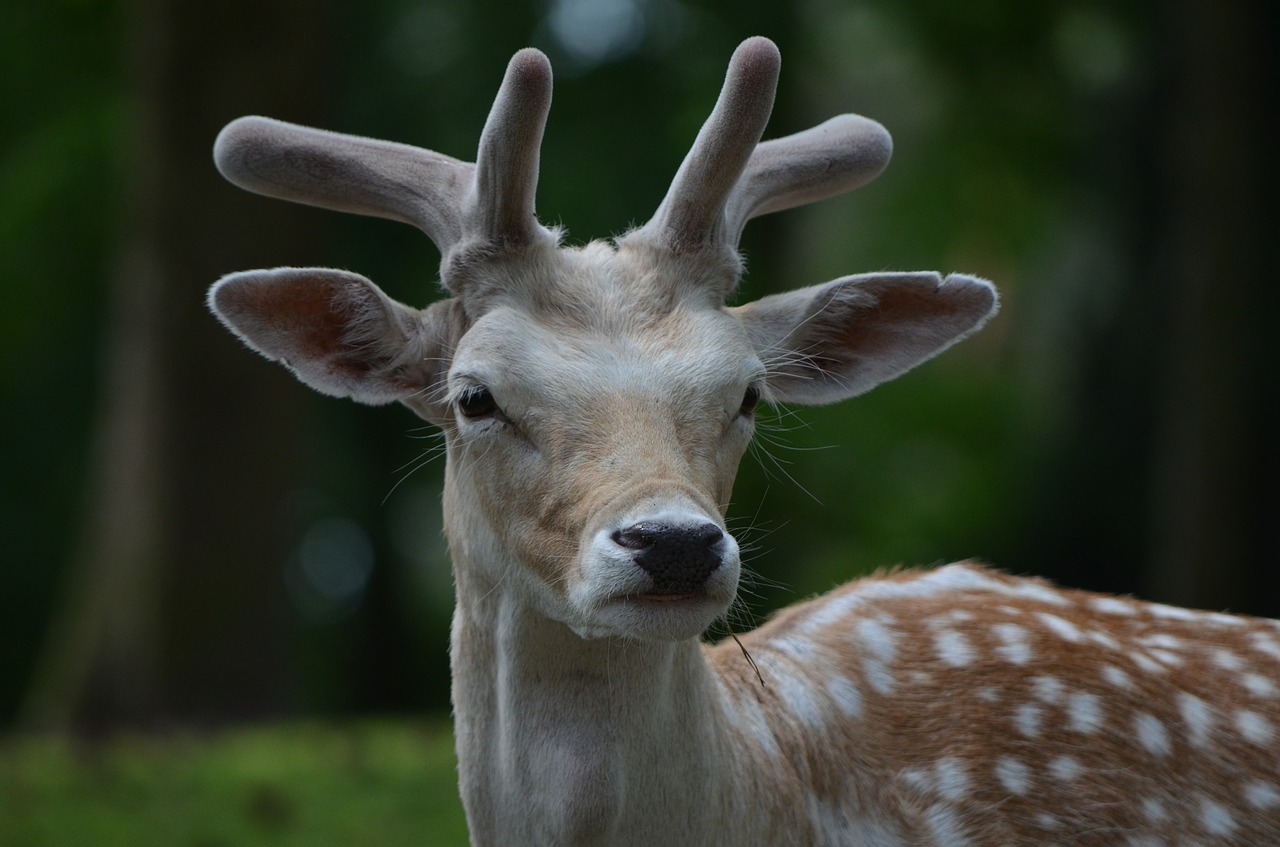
(667, 598)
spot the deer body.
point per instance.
(596, 402)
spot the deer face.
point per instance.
(600, 433)
(596, 401)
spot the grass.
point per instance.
(369, 784)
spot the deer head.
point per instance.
(595, 400)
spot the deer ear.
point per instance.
(833, 341)
(338, 332)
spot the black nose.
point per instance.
(678, 558)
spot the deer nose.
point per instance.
(678, 558)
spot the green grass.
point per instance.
(368, 784)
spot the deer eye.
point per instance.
(750, 400)
(476, 402)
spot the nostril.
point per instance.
(678, 558)
(644, 535)
(708, 534)
(639, 536)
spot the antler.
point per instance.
(454, 202)
(507, 164)
(690, 216)
(728, 177)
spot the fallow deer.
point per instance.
(595, 403)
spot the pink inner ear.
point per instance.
(911, 316)
(312, 312)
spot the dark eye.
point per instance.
(476, 402)
(750, 400)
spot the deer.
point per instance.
(595, 402)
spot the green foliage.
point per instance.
(320, 786)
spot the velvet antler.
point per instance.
(489, 203)
(729, 177)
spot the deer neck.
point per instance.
(567, 740)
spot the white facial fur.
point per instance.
(599, 424)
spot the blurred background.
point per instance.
(193, 540)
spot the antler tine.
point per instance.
(347, 173)
(839, 155)
(692, 214)
(506, 178)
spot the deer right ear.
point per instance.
(339, 333)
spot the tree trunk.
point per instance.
(1210, 545)
(173, 609)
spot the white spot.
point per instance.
(831, 611)
(919, 678)
(987, 694)
(1097, 636)
(1153, 808)
(879, 677)
(1175, 613)
(1220, 619)
(1085, 712)
(799, 698)
(1259, 685)
(954, 616)
(918, 778)
(1027, 718)
(1014, 644)
(877, 637)
(1217, 819)
(1112, 606)
(945, 827)
(1198, 716)
(1167, 656)
(1046, 821)
(953, 648)
(1265, 644)
(1227, 660)
(1116, 677)
(1066, 768)
(1145, 662)
(1013, 775)
(801, 649)
(1254, 727)
(1162, 639)
(1153, 734)
(953, 781)
(1262, 795)
(1061, 627)
(1041, 592)
(1049, 689)
(845, 695)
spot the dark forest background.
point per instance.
(191, 538)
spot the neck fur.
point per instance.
(578, 740)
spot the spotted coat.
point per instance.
(962, 706)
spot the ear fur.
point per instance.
(840, 339)
(339, 333)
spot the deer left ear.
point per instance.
(338, 332)
(834, 341)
